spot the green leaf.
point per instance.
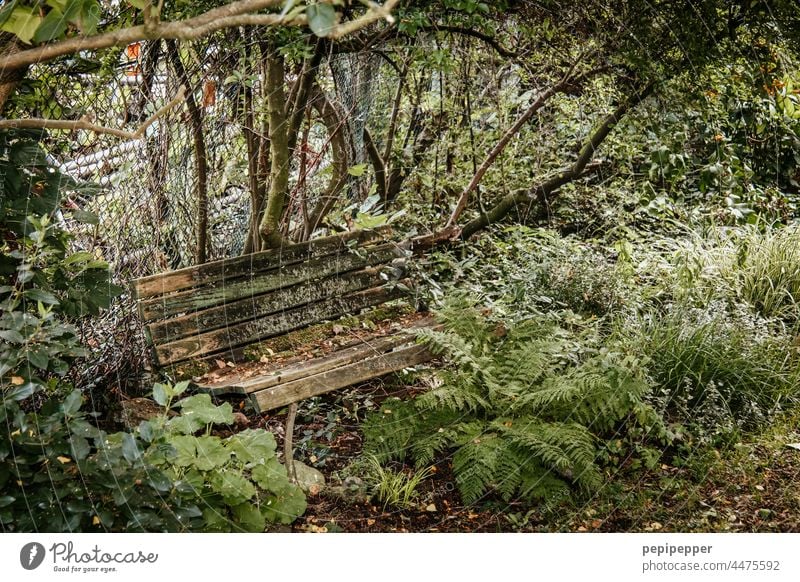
(252, 445)
(357, 170)
(23, 23)
(38, 358)
(85, 217)
(20, 392)
(210, 453)
(89, 17)
(185, 450)
(6, 500)
(233, 487)
(184, 425)
(130, 449)
(249, 517)
(160, 394)
(285, 507)
(72, 403)
(53, 26)
(6, 10)
(41, 295)
(12, 335)
(271, 476)
(199, 407)
(321, 18)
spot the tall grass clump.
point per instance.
(768, 272)
(718, 366)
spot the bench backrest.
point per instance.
(220, 306)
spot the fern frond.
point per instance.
(475, 466)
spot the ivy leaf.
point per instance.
(321, 18)
(53, 26)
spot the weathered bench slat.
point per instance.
(282, 322)
(370, 348)
(360, 371)
(227, 291)
(246, 265)
(263, 305)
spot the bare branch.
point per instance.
(84, 123)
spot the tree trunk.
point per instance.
(9, 79)
(269, 227)
(201, 162)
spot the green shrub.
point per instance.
(519, 414)
(59, 473)
(43, 285)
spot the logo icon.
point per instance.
(31, 555)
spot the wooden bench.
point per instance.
(213, 311)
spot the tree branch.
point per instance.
(499, 49)
(84, 123)
(548, 187)
(566, 81)
(239, 13)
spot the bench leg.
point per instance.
(288, 448)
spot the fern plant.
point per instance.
(520, 415)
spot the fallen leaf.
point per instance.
(337, 329)
(220, 364)
(431, 508)
(95, 520)
(370, 522)
(64, 460)
(17, 380)
(231, 365)
(596, 523)
(313, 458)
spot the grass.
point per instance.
(395, 488)
(769, 272)
(718, 365)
